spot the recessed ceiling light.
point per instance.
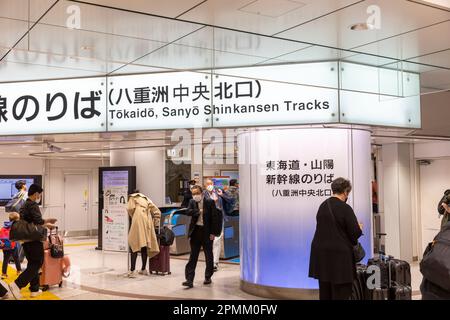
(15, 154)
(362, 26)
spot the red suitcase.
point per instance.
(51, 274)
(160, 264)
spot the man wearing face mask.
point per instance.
(206, 224)
(34, 250)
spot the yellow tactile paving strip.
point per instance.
(46, 295)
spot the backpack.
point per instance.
(166, 237)
(15, 204)
(435, 266)
(228, 204)
(5, 243)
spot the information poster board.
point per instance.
(115, 183)
(115, 219)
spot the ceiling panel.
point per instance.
(61, 61)
(440, 59)
(397, 17)
(18, 9)
(12, 71)
(240, 42)
(136, 68)
(167, 8)
(435, 80)
(312, 53)
(372, 60)
(117, 22)
(412, 44)
(11, 31)
(232, 14)
(79, 46)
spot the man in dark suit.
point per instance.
(206, 224)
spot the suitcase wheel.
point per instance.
(169, 272)
(45, 288)
(60, 284)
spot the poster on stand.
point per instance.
(115, 219)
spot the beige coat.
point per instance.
(145, 215)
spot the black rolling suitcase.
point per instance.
(359, 287)
(383, 264)
(379, 294)
(395, 279)
(400, 272)
(400, 292)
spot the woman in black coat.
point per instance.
(332, 261)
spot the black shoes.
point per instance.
(207, 281)
(188, 284)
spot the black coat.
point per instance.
(331, 256)
(212, 218)
(30, 212)
(187, 196)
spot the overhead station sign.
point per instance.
(253, 96)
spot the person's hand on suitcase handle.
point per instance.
(212, 237)
(50, 223)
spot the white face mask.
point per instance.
(37, 200)
(197, 197)
(210, 188)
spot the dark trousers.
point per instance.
(144, 256)
(34, 252)
(198, 240)
(331, 291)
(3, 290)
(7, 254)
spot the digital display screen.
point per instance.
(8, 188)
(220, 182)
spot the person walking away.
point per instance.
(332, 261)
(34, 250)
(444, 208)
(232, 203)
(10, 248)
(187, 196)
(18, 200)
(218, 196)
(205, 225)
(145, 217)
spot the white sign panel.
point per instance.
(159, 101)
(258, 103)
(60, 106)
(115, 219)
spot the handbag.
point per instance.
(22, 230)
(435, 265)
(358, 251)
(56, 249)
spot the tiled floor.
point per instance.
(96, 275)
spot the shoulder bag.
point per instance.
(22, 230)
(358, 251)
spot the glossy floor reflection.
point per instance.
(101, 276)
